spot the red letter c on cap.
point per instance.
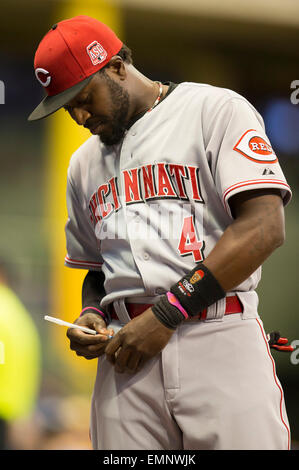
(46, 75)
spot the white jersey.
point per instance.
(146, 210)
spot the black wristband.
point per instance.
(197, 290)
(167, 314)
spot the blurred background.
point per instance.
(250, 47)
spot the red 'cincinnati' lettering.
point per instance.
(151, 181)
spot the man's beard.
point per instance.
(117, 124)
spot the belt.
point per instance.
(233, 305)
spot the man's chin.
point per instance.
(111, 139)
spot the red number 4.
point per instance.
(189, 242)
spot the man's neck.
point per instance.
(143, 93)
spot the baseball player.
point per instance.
(174, 203)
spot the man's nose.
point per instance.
(80, 115)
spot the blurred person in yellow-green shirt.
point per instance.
(20, 358)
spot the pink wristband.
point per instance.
(174, 301)
(96, 309)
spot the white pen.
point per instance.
(71, 325)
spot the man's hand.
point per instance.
(87, 345)
(137, 342)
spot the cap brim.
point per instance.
(50, 104)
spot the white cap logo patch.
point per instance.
(96, 52)
(256, 147)
(43, 76)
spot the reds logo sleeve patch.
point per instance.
(255, 147)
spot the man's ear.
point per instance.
(117, 66)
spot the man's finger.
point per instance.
(78, 336)
(101, 330)
(122, 359)
(112, 358)
(90, 349)
(113, 346)
(87, 356)
(134, 364)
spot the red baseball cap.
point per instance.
(68, 56)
